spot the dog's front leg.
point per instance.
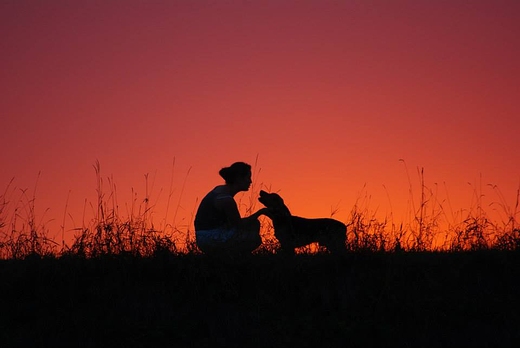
(287, 250)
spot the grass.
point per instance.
(124, 282)
(427, 299)
(431, 225)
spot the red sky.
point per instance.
(329, 95)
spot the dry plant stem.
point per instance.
(23, 231)
(170, 194)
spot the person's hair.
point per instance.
(234, 171)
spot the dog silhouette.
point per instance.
(294, 231)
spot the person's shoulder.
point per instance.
(222, 192)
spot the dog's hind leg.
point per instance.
(336, 244)
(337, 247)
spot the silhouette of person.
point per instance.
(219, 228)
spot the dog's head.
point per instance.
(274, 203)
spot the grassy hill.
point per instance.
(427, 299)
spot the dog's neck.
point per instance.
(282, 222)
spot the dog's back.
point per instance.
(294, 231)
(326, 232)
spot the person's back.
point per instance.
(208, 217)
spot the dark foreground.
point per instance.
(408, 299)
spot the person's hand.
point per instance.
(263, 211)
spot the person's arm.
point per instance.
(256, 215)
(229, 207)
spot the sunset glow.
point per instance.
(333, 103)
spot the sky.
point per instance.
(334, 103)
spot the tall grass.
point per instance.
(111, 232)
(431, 225)
(22, 233)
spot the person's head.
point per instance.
(238, 175)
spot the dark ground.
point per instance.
(359, 300)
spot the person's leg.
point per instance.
(246, 239)
(212, 241)
(218, 241)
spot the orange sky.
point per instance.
(329, 95)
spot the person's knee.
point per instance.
(254, 226)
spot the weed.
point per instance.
(21, 233)
(431, 225)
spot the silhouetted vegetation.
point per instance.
(427, 299)
(123, 282)
(23, 233)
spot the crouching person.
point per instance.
(219, 228)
